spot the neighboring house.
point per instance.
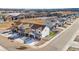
(21, 16)
(41, 30)
(43, 14)
(8, 18)
(61, 21)
(38, 26)
(52, 23)
(11, 16)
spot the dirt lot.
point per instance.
(5, 25)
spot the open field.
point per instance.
(5, 25)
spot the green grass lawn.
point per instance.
(52, 34)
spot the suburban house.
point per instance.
(11, 16)
(21, 16)
(38, 26)
(52, 23)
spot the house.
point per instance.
(38, 27)
(11, 16)
(8, 18)
(41, 30)
(61, 21)
(52, 23)
(21, 16)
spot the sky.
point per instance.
(39, 4)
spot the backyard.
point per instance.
(5, 25)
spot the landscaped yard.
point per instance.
(52, 34)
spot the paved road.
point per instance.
(59, 42)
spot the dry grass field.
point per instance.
(5, 25)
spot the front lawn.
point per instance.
(52, 34)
